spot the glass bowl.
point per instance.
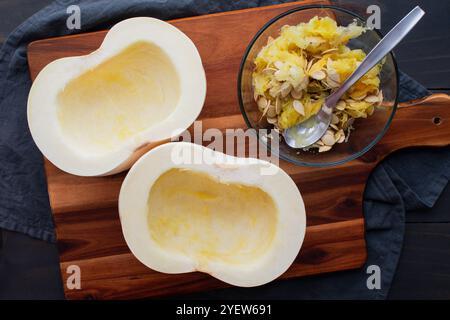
(367, 131)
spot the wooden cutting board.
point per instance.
(85, 209)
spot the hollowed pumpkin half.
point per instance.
(91, 115)
(225, 216)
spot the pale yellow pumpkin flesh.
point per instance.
(194, 214)
(119, 98)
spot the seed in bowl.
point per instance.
(296, 71)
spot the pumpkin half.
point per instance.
(96, 114)
(219, 215)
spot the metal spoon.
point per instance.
(310, 131)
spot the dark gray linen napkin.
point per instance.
(393, 188)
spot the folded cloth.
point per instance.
(24, 205)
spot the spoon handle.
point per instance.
(378, 52)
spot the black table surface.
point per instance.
(29, 268)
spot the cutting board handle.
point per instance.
(419, 123)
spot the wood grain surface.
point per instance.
(85, 209)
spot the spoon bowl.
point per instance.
(309, 131)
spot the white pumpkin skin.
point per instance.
(289, 230)
(43, 103)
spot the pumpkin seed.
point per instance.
(334, 126)
(324, 148)
(371, 99)
(262, 103)
(341, 105)
(334, 119)
(309, 65)
(280, 75)
(296, 94)
(331, 83)
(271, 112)
(380, 97)
(272, 120)
(337, 134)
(277, 106)
(274, 91)
(298, 106)
(278, 64)
(303, 85)
(328, 139)
(318, 75)
(294, 71)
(334, 76)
